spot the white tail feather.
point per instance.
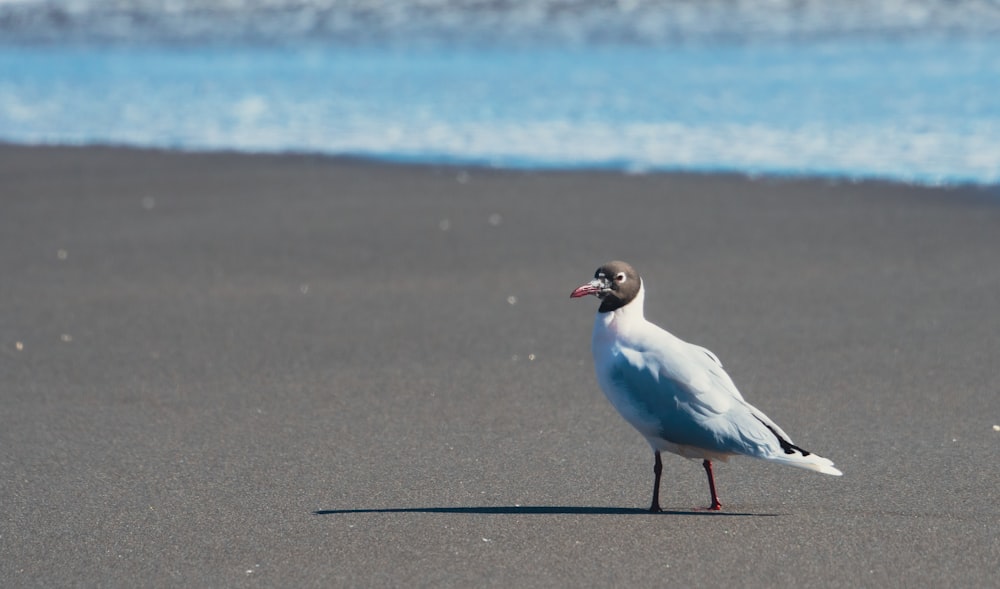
(812, 462)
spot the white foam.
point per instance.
(577, 21)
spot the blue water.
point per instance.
(920, 105)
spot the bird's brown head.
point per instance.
(615, 283)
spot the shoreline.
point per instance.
(449, 164)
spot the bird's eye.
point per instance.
(620, 277)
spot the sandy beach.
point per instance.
(297, 371)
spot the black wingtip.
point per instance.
(787, 446)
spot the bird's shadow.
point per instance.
(541, 510)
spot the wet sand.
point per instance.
(299, 371)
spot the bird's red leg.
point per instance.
(716, 506)
(657, 471)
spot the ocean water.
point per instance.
(905, 90)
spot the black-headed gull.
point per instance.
(675, 393)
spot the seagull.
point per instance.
(675, 393)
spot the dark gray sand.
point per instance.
(223, 370)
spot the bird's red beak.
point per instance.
(591, 288)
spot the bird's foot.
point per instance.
(655, 508)
(716, 506)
